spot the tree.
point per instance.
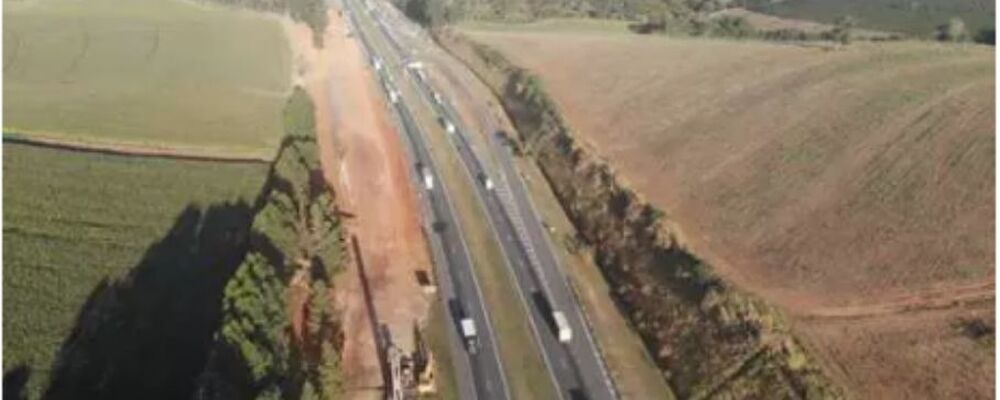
(736, 27)
(318, 309)
(842, 29)
(308, 392)
(329, 372)
(313, 14)
(429, 13)
(299, 114)
(254, 322)
(953, 31)
(986, 36)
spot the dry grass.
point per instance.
(816, 179)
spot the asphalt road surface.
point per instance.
(576, 367)
(459, 288)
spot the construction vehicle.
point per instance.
(562, 327)
(469, 335)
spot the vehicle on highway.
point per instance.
(428, 178)
(469, 335)
(486, 181)
(562, 326)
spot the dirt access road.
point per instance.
(362, 158)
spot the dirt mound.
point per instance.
(853, 188)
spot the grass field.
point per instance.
(856, 182)
(150, 72)
(72, 220)
(917, 18)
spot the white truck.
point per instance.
(562, 327)
(449, 127)
(488, 183)
(469, 334)
(428, 178)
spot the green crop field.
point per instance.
(73, 219)
(918, 18)
(150, 72)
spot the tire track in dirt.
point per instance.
(936, 298)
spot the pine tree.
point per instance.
(254, 320)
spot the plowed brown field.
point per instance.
(854, 187)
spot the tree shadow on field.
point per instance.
(14, 382)
(147, 335)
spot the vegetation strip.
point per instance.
(280, 336)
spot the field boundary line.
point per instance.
(128, 150)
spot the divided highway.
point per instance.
(575, 367)
(457, 281)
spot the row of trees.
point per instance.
(280, 337)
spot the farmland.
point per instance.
(851, 188)
(917, 18)
(155, 73)
(74, 220)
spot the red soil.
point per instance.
(363, 160)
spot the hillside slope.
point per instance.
(853, 188)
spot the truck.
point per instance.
(428, 178)
(469, 335)
(563, 329)
(449, 127)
